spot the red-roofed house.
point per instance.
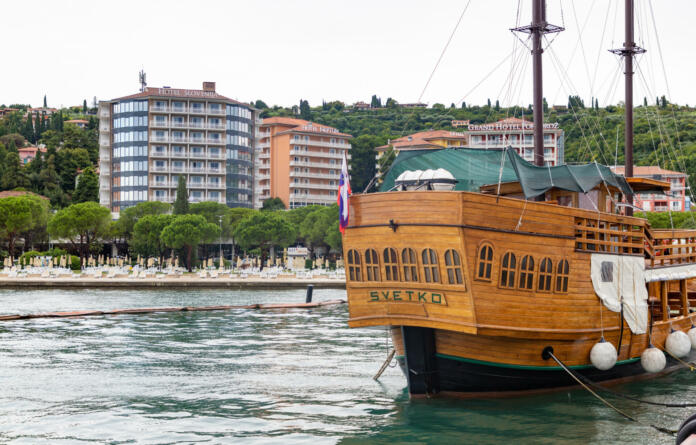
(298, 161)
(81, 123)
(676, 199)
(27, 154)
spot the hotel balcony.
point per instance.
(104, 128)
(316, 154)
(328, 144)
(327, 187)
(104, 157)
(314, 165)
(263, 134)
(294, 174)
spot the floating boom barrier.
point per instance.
(150, 310)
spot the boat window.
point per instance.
(527, 272)
(562, 276)
(354, 266)
(391, 266)
(430, 266)
(545, 274)
(372, 265)
(507, 270)
(408, 260)
(453, 265)
(485, 262)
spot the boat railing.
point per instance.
(606, 236)
(671, 247)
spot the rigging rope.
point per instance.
(606, 402)
(442, 54)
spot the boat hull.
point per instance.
(430, 373)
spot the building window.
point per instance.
(430, 267)
(485, 262)
(391, 266)
(527, 272)
(545, 275)
(453, 264)
(410, 265)
(507, 270)
(562, 270)
(372, 265)
(354, 266)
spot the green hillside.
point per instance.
(590, 133)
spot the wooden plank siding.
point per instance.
(481, 319)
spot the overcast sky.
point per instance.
(284, 50)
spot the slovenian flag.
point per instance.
(343, 194)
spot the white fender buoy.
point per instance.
(692, 336)
(603, 355)
(678, 344)
(653, 360)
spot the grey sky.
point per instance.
(284, 50)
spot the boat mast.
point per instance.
(627, 52)
(537, 29)
(538, 22)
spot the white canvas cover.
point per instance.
(623, 282)
(670, 273)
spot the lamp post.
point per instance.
(220, 220)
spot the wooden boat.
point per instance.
(477, 286)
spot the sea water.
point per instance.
(261, 376)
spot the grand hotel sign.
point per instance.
(510, 126)
(185, 93)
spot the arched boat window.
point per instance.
(430, 269)
(485, 262)
(527, 272)
(372, 265)
(545, 274)
(507, 270)
(354, 266)
(454, 267)
(391, 265)
(562, 271)
(410, 265)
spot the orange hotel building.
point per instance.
(298, 161)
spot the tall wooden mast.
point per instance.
(627, 52)
(537, 29)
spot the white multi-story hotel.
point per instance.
(519, 134)
(149, 139)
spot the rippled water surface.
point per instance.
(250, 376)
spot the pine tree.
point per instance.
(87, 187)
(14, 175)
(463, 105)
(645, 101)
(38, 124)
(181, 204)
(489, 103)
(45, 106)
(28, 129)
(84, 106)
(497, 105)
(305, 112)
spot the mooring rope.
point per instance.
(606, 402)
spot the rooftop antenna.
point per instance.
(537, 29)
(143, 82)
(627, 52)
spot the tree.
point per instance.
(265, 230)
(87, 187)
(488, 103)
(575, 102)
(315, 226)
(45, 106)
(271, 204)
(28, 129)
(362, 162)
(130, 216)
(376, 102)
(497, 105)
(50, 181)
(19, 214)
(545, 105)
(181, 204)
(261, 105)
(645, 101)
(147, 233)
(391, 103)
(86, 221)
(663, 102)
(14, 175)
(187, 232)
(305, 111)
(68, 162)
(84, 106)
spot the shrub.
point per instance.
(308, 264)
(75, 263)
(28, 256)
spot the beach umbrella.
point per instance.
(222, 262)
(277, 262)
(176, 262)
(239, 262)
(326, 263)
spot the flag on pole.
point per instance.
(343, 194)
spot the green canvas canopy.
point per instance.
(473, 168)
